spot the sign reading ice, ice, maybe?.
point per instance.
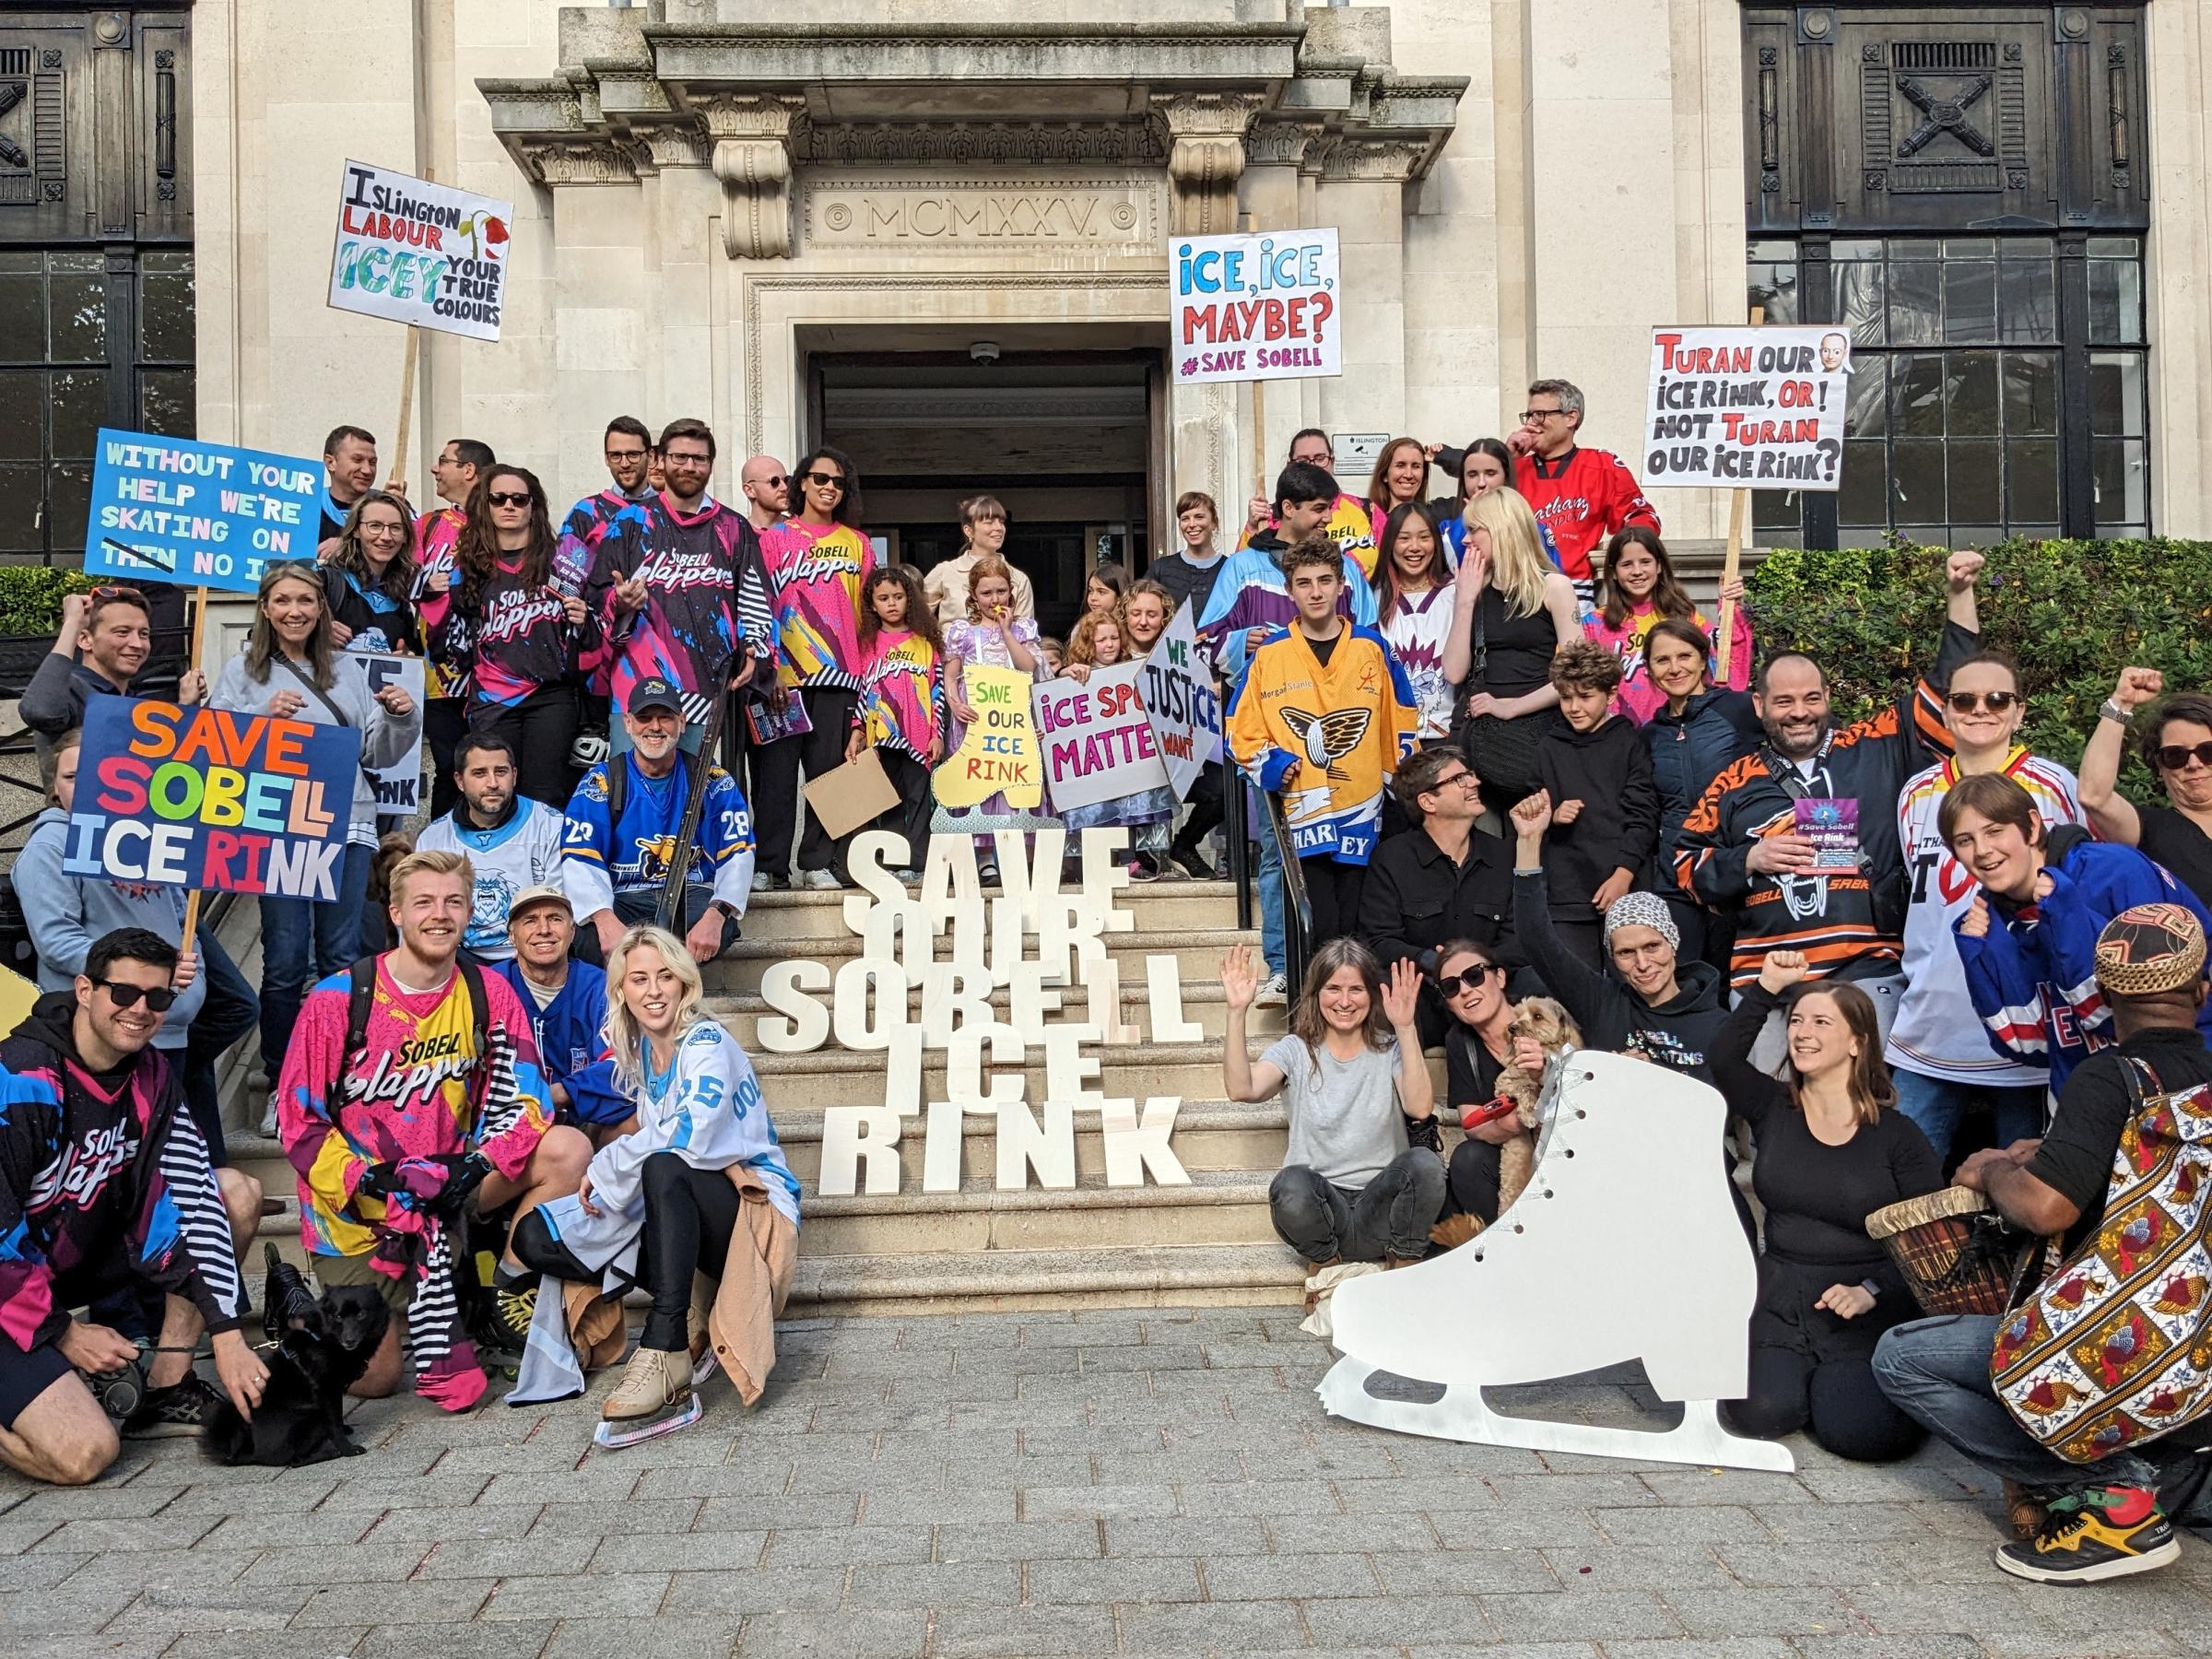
(1255, 307)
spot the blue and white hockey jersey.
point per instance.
(524, 851)
(600, 859)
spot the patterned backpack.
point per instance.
(2114, 1347)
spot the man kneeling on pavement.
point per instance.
(2107, 1518)
(412, 1098)
(107, 1201)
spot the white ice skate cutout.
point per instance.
(1626, 1182)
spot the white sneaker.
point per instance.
(819, 881)
(269, 1119)
(1274, 990)
(768, 881)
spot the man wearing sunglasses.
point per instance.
(107, 1202)
(2175, 742)
(767, 490)
(1941, 1063)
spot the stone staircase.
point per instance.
(980, 1248)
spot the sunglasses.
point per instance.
(824, 480)
(2172, 757)
(108, 591)
(1996, 702)
(777, 482)
(1467, 979)
(507, 497)
(160, 999)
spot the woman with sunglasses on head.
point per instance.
(1640, 590)
(1940, 1059)
(2176, 739)
(519, 640)
(369, 577)
(292, 669)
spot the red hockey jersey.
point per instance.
(1581, 498)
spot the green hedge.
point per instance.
(31, 598)
(2073, 613)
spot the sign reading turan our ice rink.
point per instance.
(1036, 943)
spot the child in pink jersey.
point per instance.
(901, 708)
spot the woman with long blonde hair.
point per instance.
(660, 1203)
(1511, 611)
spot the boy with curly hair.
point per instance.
(1606, 825)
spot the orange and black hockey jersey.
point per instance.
(1847, 921)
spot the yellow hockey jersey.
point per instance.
(1345, 725)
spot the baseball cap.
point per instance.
(653, 693)
(537, 895)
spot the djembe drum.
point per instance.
(1957, 1254)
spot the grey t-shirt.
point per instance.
(1344, 1121)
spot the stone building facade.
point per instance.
(933, 231)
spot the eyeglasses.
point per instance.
(2172, 757)
(1467, 979)
(160, 999)
(1464, 778)
(384, 532)
(1533, 415)
(823, 479)
(636, 455)
(508, 498)
(1996, 702)
(694, 462)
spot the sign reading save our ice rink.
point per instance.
(203, 514)
(1745, 408)
(197, 798)
(1257, 306)
(414, 252)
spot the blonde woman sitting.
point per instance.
(694, 1184)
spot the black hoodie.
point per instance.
(1608, 769)
(1677, 1032)
(103, 1178)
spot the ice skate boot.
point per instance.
(1624, 1246)
(653, 1398)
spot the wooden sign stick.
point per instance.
(1732, 564)
(192, 661)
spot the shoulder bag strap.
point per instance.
(315, 690)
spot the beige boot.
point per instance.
(654, 1380)
(702, 1307)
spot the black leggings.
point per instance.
(541, 729)
(1207, 808)
(1837, 1401)
(1333, 890)
(690, 1217)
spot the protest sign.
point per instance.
(998, 751)
(1098, 739)
(1254, 307)
(417, 252)
(200, 515)
(200, 798)
(399, 785)
(1185, 710)
(1746, 408)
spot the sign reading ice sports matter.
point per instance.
(197, 798)
(414, 252)
(201, 514)
(1255, 307)
(1747, 408)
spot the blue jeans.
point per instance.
(227, 1015)
(1936, 1104)
(1936, 1371)
(304, 941)
(1270, 882)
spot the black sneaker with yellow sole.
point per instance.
(2088, 1536)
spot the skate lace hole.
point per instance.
(1479, 1256)
(1579, 1112)
(1518, 1227)
(1569, 1150)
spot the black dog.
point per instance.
(324, 1348)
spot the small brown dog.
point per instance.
(1551, 1028)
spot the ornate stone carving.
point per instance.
(980, 215)
(674, 147)
(1279, 143)
(588, 160)
(1389, 162)
(752, 136)
(1206, 156)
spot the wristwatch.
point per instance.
(2108, 710)
(729, 911)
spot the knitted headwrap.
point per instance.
(2149, 949)
(1643, 909)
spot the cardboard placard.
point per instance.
(1745, 407)
(1099, 743)
(999, 750)
(1184, 707)
(413, 251)
(1254, 307)
(399, 785)
(855, 793)
(199, 514)
(201, 798)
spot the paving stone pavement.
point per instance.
(1160, 1482)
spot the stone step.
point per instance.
(1197, 951)
(1039, 1281)
(1159, 906)
(1219, 1207)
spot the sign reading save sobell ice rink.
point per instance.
(1747, 408)
(1253, 307)
(197, 798)
(414, 252)
(201, 514)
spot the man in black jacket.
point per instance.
(2106, 1519)
(106, 1199)
(1444, 878)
